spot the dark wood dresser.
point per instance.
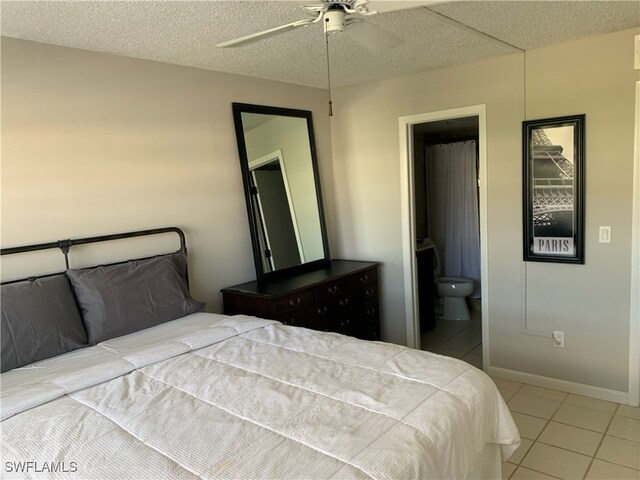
(341, 297)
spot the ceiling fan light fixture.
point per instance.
(334, 21)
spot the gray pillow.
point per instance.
(40, 319)
(120, 299)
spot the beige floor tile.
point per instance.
(460, 344)
(543, 393)
(601, 405)
(608, 471)
(507, 384)
(627, 411)
(474, 359)
(523, 473)
(506, 394)
(572, 438)
(538, 407)
(583, 417)
(507, 470)
(620, 451)
(441, 350)
(528, 426)
(556, 461)
(521, 451)
(624, 427)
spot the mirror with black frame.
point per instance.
(282, 188)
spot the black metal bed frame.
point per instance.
(65, 246)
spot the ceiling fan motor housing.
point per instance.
(334, 21)
(346, 3)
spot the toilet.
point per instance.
(454, 290)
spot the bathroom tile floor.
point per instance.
(456, 338)
(564, 436)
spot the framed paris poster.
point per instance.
(553, 189)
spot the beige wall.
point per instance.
(590, 303)
(96, 144)
(93, 143)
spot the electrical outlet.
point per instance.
(558, 338)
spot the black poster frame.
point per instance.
(553, 191)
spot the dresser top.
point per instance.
(334, 269)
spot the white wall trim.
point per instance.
(562, 385)
(408, 214)
(408, 217)
(634, 307)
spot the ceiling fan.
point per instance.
(339, 16)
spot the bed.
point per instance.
(213, 396)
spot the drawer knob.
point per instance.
(344, 302)
(333, 290)
(371, 312)
(369, 292)
(294, 303)
(364, 278)
(322, 311)
(344, 323)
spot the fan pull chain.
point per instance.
(326, 38)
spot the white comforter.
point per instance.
(209, 396)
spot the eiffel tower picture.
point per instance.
(554, 217)
(552, 188)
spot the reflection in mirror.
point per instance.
(283, 195)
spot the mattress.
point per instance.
(211, 396)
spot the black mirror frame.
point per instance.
(238, 110)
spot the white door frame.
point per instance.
(634, 319)
(407, 199)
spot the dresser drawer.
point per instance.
(366, 294)
(323, 324)
(362, 322)
(346, 302)
(298, 318)
(324, 309)
(366, 277)
(293, 302)
(331, 290)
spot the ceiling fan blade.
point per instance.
(372, 37)
(382, 6)
(266, 33)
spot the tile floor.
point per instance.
(569, 436)
(456, 338)
(564, 436)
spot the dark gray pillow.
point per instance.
(120, 299)
(40, 319)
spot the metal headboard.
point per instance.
(65, 245)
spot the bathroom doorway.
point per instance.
(448, 230)
(430, 180)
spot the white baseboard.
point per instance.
(563, 385)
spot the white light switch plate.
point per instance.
(604, 235)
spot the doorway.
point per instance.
(448, 233)
(450, 125)
(280, 242)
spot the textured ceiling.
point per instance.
(185, 33)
